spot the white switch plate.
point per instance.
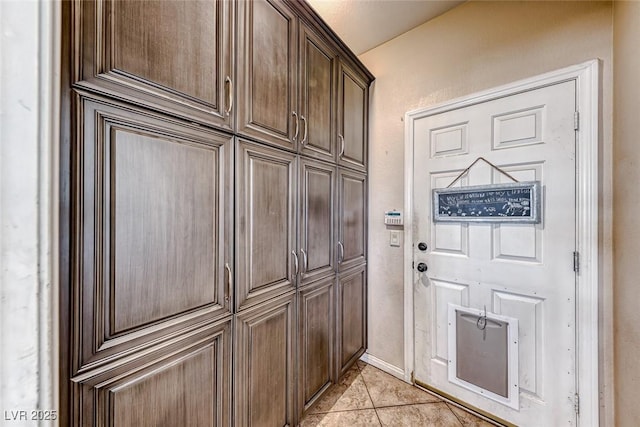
(394, 238)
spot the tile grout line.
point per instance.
(409, 404)
(454, 414)
(369, 394)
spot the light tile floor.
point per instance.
(367, 396)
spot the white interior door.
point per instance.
(522, 271)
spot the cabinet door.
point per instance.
(267, 64)
(353, 95)
(352, 219)
(266, 184)
(185, 383)
(173, 56)
(317, 93)
(316, 352)
(352, 317)
(151, 229)
(264, 364)
(317, 207)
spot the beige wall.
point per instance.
(626, 203)
(474, 47)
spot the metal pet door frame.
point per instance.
(512, 399)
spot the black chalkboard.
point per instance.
(513, 202)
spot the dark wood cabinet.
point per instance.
(151, 228)
(267, 72)
(317, 207)
(214, 187)
(186, 381)
(318, 62)
(286, 84)
(352, 219)
(353, 95)
(170, 56)
(351, 317)
(264, 364)
(266, 255)
(316, 341)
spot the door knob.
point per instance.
(422, 267)
(422, 246)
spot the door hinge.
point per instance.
(576, 120)
(576, 262)
(413, 377)
(576, 403)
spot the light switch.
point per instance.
(394, 238)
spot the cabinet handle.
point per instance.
(341, 246)
(341, 145)
(229, 281)
(306, 129)
(295, 260)
(230, 96)
(305, 261)
(294, 114)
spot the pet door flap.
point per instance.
(483, 353)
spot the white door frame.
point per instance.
(586, 76)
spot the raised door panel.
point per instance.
(266, 185)
(173, 56)
(352, 219)
(152, 232)
(264, 363)
(267, 64)
(352, 317)
(184, 383)
(317, 207)
(317, 95)
(353, 95)
(316, 305)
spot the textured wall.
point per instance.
(473, 47)
(626, 180)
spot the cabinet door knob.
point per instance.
(305, 261)
(230, 96)
(295, 260)
(295, 135)
(229, 281)
(341, 145)
(422, 267)
(306, 130)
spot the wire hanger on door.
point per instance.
(487, 162)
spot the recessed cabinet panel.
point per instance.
(187, 383)
(152, 227)
(316, 340)
(163, 197)
(264, 364)
(317, 207)
(352, 219)
(317, 86)
(140, 51)
(353, 111)
(266, 228)
(267, 63)
(352, 317)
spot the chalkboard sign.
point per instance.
(513, 202)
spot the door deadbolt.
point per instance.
(422, 246)
(422, 267)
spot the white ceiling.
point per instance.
(365, 24)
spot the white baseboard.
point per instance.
(383, 366)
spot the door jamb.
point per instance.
(586, 76)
